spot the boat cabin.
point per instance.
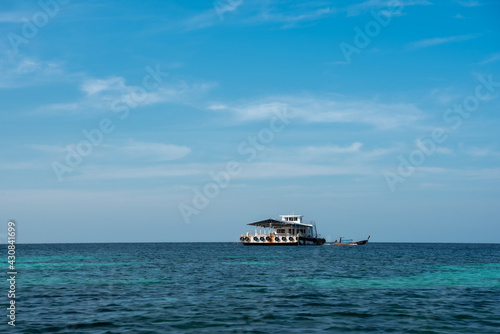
(290, 230)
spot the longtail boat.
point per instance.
(349, 242)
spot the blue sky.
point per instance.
(387, 128)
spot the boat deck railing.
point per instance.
(276, 234)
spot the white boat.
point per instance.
(289, 231)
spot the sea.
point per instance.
(231, 288)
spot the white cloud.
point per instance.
(475, 151)
(212, 16)
(352, 155)
(468, 3)
(330, 110)
(12, 17)
(19, 71)
(57, 108)
(463, 174)
(256, 13)
(444, 95)
(16, 165)
(440, 40)
(430, 185)
(331, 149)
(217, 107)
(361, 8)
(155, 151)
(262, 170)
(443, 150)
(291, 20)
(258, 111)
(491, 59)
(339, 62)
(110, 172)
(200, 21)
(101, 94)
(259, 170)
(49, 148)
(438, 149)
(94, 86)
(479, 152)
(140, 152)
(307, 161)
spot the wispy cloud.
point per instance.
(226, 6)
(444, 95)
(291, 19)
(135, 151)
(19, 71)
(140, 160)
(213, 16)
(48, 148)
(363, 7)
(263, 170)
(468, 3)
(155, 151)
(100, 94)
(202, 20)
(94, 86)
(112, 172)
(443, 150)
(478, 152)
(258, 170)
(11, 17)
(352, 155)
(331, 149)
(16, 165)
(257, 13)
(463, 174)
(330, 110)
(440, 40)
(491, 59)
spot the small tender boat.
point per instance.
(349, 242)
(289, 231)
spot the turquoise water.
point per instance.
(229, 288)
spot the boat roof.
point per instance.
(275, 223)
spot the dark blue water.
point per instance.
(229, 288)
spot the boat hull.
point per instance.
(270, 244)
(356, 243)
(303, 241)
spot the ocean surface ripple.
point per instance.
(229, 288)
